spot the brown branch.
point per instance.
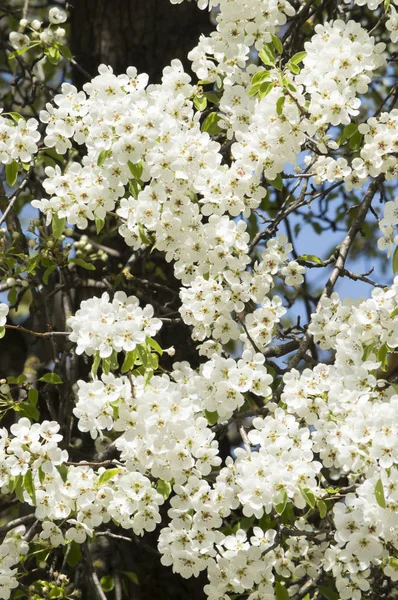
(40, 334)
(339, 267)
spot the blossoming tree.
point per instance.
(263, 457)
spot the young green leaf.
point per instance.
(154, 345)
(298, 58)
(267, 56)
(212, 417)
(322, 508)
(103, 155)
(164, 488)
(308, 496)
(107, 583)
(395, 261)
(33, 396)
(29, 485)
(210, 124)
(99, 224)
(83, 264)
(51, 378)
(12, 173)
(129, 361)
(379, 494)
(277, 183)
(58, 225)
(279, 508)
(108, 475)
(281, 592)
(277, 43)
(279, 105)
(136, 169)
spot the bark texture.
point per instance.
(147, 34)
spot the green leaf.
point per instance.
(212, 97)
(19, 488)
(328, 592)
(129, 361)
(355, 140)
(382, 357)
(164, 488)
(136, 169)
(83, 264)
(277, 183)
(200, 102)
(293, 68)
(379, 494)
(267, 56)
(395, 261)
(29, 485)
(103, 155)
(277, 43)
(132, 576)
(14, 115)
(279, 105)
(265, 89)
(134, 188)
(58, 226)
(63, 471)
(387, 5)
(74, 554)
(12, 296)
(27, 410)
(33, 396)
(99, 224)
(212, 417)
(323, 509)
(53, 55)
(308, 496)
(154, 345)
(51, 378)
(96, 363)
(281, 592)
(108, 475)
(48, 272)
(12, 483)
(64, 50)
(310, 258)
(153, 361)
(210, 124)
(107, 583)
(279, 508)
(349, 130)
(57, 592)
(2, 332)
(143, 235)
(21, 51)
(12, 173)
(298, 58)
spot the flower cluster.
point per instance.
(388, 226)
(104, 327)
(32, 33)
(240, 26)
(163, 431)
(11, 549)
(3, 314)
(224, 381)
(18, 140)
(366, 526)
(340, 59)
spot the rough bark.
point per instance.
(145, 33)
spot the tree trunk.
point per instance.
(146, 34)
